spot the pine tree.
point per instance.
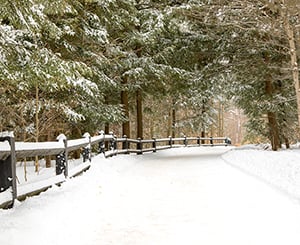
(51, 57)
(249, 57)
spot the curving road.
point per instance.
(191, 196)
(180, 196)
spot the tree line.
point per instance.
(148, 68)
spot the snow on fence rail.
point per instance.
(109, 145)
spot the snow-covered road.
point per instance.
(180, 196)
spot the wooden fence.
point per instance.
(109, 145)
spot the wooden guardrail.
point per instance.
(153, 145)
(109, 145)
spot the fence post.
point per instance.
(139, 146)
(211, 141)
(62, 158)
(102, 143)
(86, 153)
(198, 141)
(111, 142)
(8, 168)
(154, 144)
(227, 141)
(115, 144)
(170, 141)
(125, 145)
(185, 141)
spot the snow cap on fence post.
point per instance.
(227, 141)
(7, 134)
(61, 138)
(88, 137)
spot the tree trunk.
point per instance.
(173, 118)
(37, 132)
(24, 139)
(106, 128)
(173, 122)
(77, 133)
(125, 103)
(272, 119)
(48, 158)
(274, 133)
(220, 120)
(203, 126)
(139, 114)
(202, 136)
(293, 53)
(287, 143)
(106, 131)
(139, 102)
(169, 129)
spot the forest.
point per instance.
(149, 68)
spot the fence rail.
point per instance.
(109, 145)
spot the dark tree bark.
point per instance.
(125, 103)
(139, 114)
(272, 120)
(48, 158)
(202, 136)
(287, 143)
(173, 121)
(274, 133)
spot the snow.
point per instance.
(27, 146)
(38, 185)
(83, 83)
(178, 196)
(6, 195)
(5, 146)
(75, 143)
(7, 134)
(281, 169)
(99, 34)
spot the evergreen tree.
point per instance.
(250, 54)
(58, 51)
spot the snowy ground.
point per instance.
(280, 169)
(180, 196)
